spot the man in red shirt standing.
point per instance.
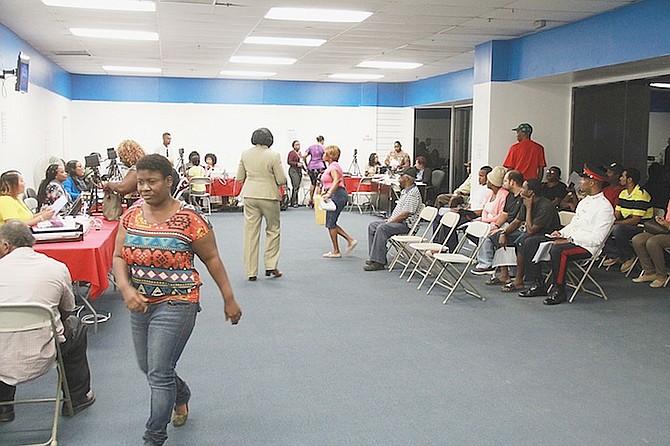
(526, 155)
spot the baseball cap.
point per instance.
(524, 127)
(615, 167)
(411, 171)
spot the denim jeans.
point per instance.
(491, 245)
(160, 336)
(619, 244)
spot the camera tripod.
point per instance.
(93, 198)
(354, 170)
(180, 167)
(113, 171)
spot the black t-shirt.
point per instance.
(552, 193)
(513, 205)
(544, 215)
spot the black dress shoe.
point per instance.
(374, 266)
(556, 298)
(534, 291)
(78, 406)
(252, 278)
(273, 272)
(6, 413)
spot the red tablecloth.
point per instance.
(224, 188)
(351, 184)
(88, 260)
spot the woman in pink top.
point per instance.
(495, 206)
(333, 185)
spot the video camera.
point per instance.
(92, 161)
(111, 153)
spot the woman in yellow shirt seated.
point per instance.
(12, 207)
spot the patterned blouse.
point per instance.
(160, 257)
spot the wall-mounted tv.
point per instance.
(22, 66)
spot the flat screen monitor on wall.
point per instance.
(22, 68)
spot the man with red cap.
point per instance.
(580, 239)
(526, 155)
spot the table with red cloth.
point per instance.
(88, 260)
(351, 185)
(228, 187)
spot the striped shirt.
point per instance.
(409, 201)
(635, 204)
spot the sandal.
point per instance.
(511, 287)
(496, 281)
(330, 255)
(351, 247)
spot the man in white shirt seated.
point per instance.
(27, 276)
(580, 239)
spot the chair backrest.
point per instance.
(31, 203)
(565, 217)
(200, 180)
(30, 192)
(437, 179)
(428, 213)
(449, 221)
(24, 317)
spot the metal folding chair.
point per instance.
(362, 198)
(203, 196)
(16, 318)
(476, 230)
(400, 242)
(449, 221)
(584, 267)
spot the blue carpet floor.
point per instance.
(331, 355)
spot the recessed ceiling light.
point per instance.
(263, 60)
(247, 73)
(290, 41)
(355, 76)
(113, 5)
(114, 34)
(317, 15)
(659, 85)
(120, 69)
(390, 65)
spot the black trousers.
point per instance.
(561, 254)
(74, 359)
(296, 178)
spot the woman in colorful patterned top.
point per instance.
(155, 272)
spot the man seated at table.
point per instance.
(403, 217)
(30, 277)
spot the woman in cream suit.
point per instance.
(261, 172)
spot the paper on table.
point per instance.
(58, 204)
(542, 254)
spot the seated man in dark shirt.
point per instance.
(541, 217)
(554, 189)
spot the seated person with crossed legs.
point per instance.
(30, 277)
(578, 240)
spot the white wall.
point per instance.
(32, 125)
(500, 107)
(659, 131)
(226, 129)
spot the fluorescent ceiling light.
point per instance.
(290, 41)
(114, 34)
(317, 15)
(120, 69)
(263, 60)
(390, 65)
(112, 5)
(355, 76)
(247, 73)
(659, 85)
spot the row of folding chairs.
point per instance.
(423, 255)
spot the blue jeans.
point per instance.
(491, 245)
(619, 244)
(160, 336)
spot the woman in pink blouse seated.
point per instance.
(12, 207)
(495, 206)
(333, 184)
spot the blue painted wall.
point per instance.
(43, 72)
(635, 32)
